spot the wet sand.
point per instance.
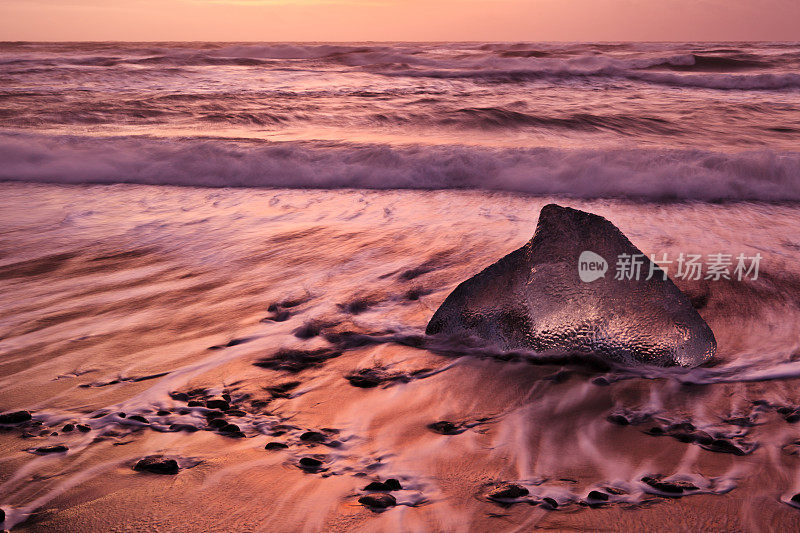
(298, 318)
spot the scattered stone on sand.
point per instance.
(309, 463)
(549, 503)
(179, 396)
(53, 448)
(597, 496)
(68, 427)
(620, 420)
(365, 379)
(508, 491)
(162, 413)
(534, 299)
(232, 430)
(446, 427)
(16, 417)
(796, 499)
(157, 464)
(669, 487)
(292, 360)
(378, 501)
(387, 485)
(217, 423)
(139, 418)
(235, 412)
(2, 516)
(724, 446)
(83, 428)
(313, 436)
(276, 446)
(183, 427)
(218, 403)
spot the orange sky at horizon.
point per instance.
(400, 20)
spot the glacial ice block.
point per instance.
(534, 298)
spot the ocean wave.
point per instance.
(649, 174)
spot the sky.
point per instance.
(399, 20)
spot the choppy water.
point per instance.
(690, 120)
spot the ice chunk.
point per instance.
(535, 298)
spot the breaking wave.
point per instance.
(656, 174)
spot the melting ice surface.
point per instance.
(534, 298)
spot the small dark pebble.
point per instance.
(378, 501)
(312, 436)
(121, 415)
(597, 495)
(101, 414)
(550, 503)
(378, 487)
(333, 444)
(83, 428)
(670, 487)
(446, 428)
(364, 381)
(235, 412)
(310, 463)
(16, 417)
(785, 410)
(393, 484)
(162, 413)
(184, 411)
(656, 430)
(508, 491)
(183, 427)
(218, 423)
(702, 437)
(68, 427)
(157, 465)
(724, 446)
(139, 418)
(55, 448)
(179, 396)
(792, 418)
(618, 419)
(682, 426)
(2, 516)
(275, 446)
(796, 498)
(230, 428)
(683, 437)
(222, 405)
(195, 403)
(214, 414)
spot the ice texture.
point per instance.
(533, 298)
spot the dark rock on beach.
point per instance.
(446, 428)
(313, 436)
(309, 463)
(508, 491)
(378, 501)
(54, 448)
(275, 446)
(549, 503)
(157, 464)
(16, 417)
(669, 487)
(534, 299)
(384, 486)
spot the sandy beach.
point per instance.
(150, 320)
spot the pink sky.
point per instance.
(381, 20)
